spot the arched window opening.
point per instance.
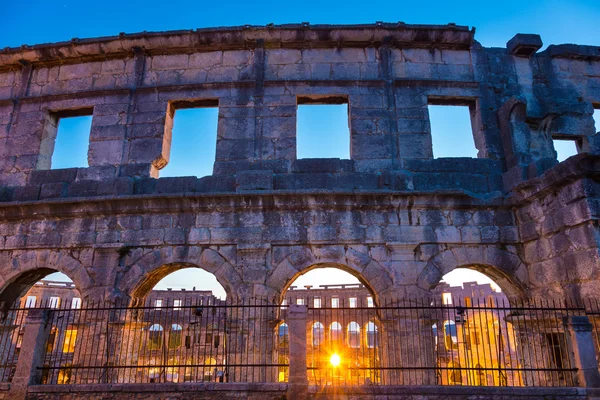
(450, 335)
(354, 335)
(318, 334)
(155, 337)
(336, 332)
(477, 333)
(175, 336)
(372, 335)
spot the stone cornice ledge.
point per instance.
(226, 38)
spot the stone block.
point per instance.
(181, 184)
(524, 45)
(254, 180)
(53, 176)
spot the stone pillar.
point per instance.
(298, 380)
(32, 354)
(582, 351)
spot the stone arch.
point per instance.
(22, 269)
(148, 267)
(504, 267)
(369, 272)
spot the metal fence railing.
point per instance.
(478, 342)
(11, 335)
(183, 343)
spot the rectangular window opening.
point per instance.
(322, 127)
(564, 147)
(193, 126)
(335, 302)
(54, 302)
(596, 117)
(72, 139)
(76, 303)
(451, 130)
(30, 302)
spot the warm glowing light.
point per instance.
(335, 360)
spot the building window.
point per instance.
(54, 302)
(30, 302)
(317, 302)
(208, 338)
(318, 334)
(284, 303)
(370, 303)
(300, 301)
(353, 335)
(451, 130)
(322, 128)
(175, 336)
(335, 331)
(76, 303)
(447, 298)
(176, 305)
(158, 303)
(64, 375)
(353, 302)
(67, 140)
(191, 128)
(565, 148)
(155, 337)
(51, 340)
(69, 342)
(372, 335)
(335, 302)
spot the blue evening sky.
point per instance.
(320, 133)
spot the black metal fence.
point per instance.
(483, 342)
(184, 343)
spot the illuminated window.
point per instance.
(335, 302)
(447, 298)
(284, 303)
(30, 302)
(300, 302)
(335, 331)
(318, 332)
(353, 335)
(370, 302)
(353, 302)
(317, 302)
(209, 368)
(468, 302)
(158, 304)
(76, 303)
(54, 302)
(64, 375)
(69, 342)
(176, 305)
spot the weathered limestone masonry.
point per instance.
(392, 215)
